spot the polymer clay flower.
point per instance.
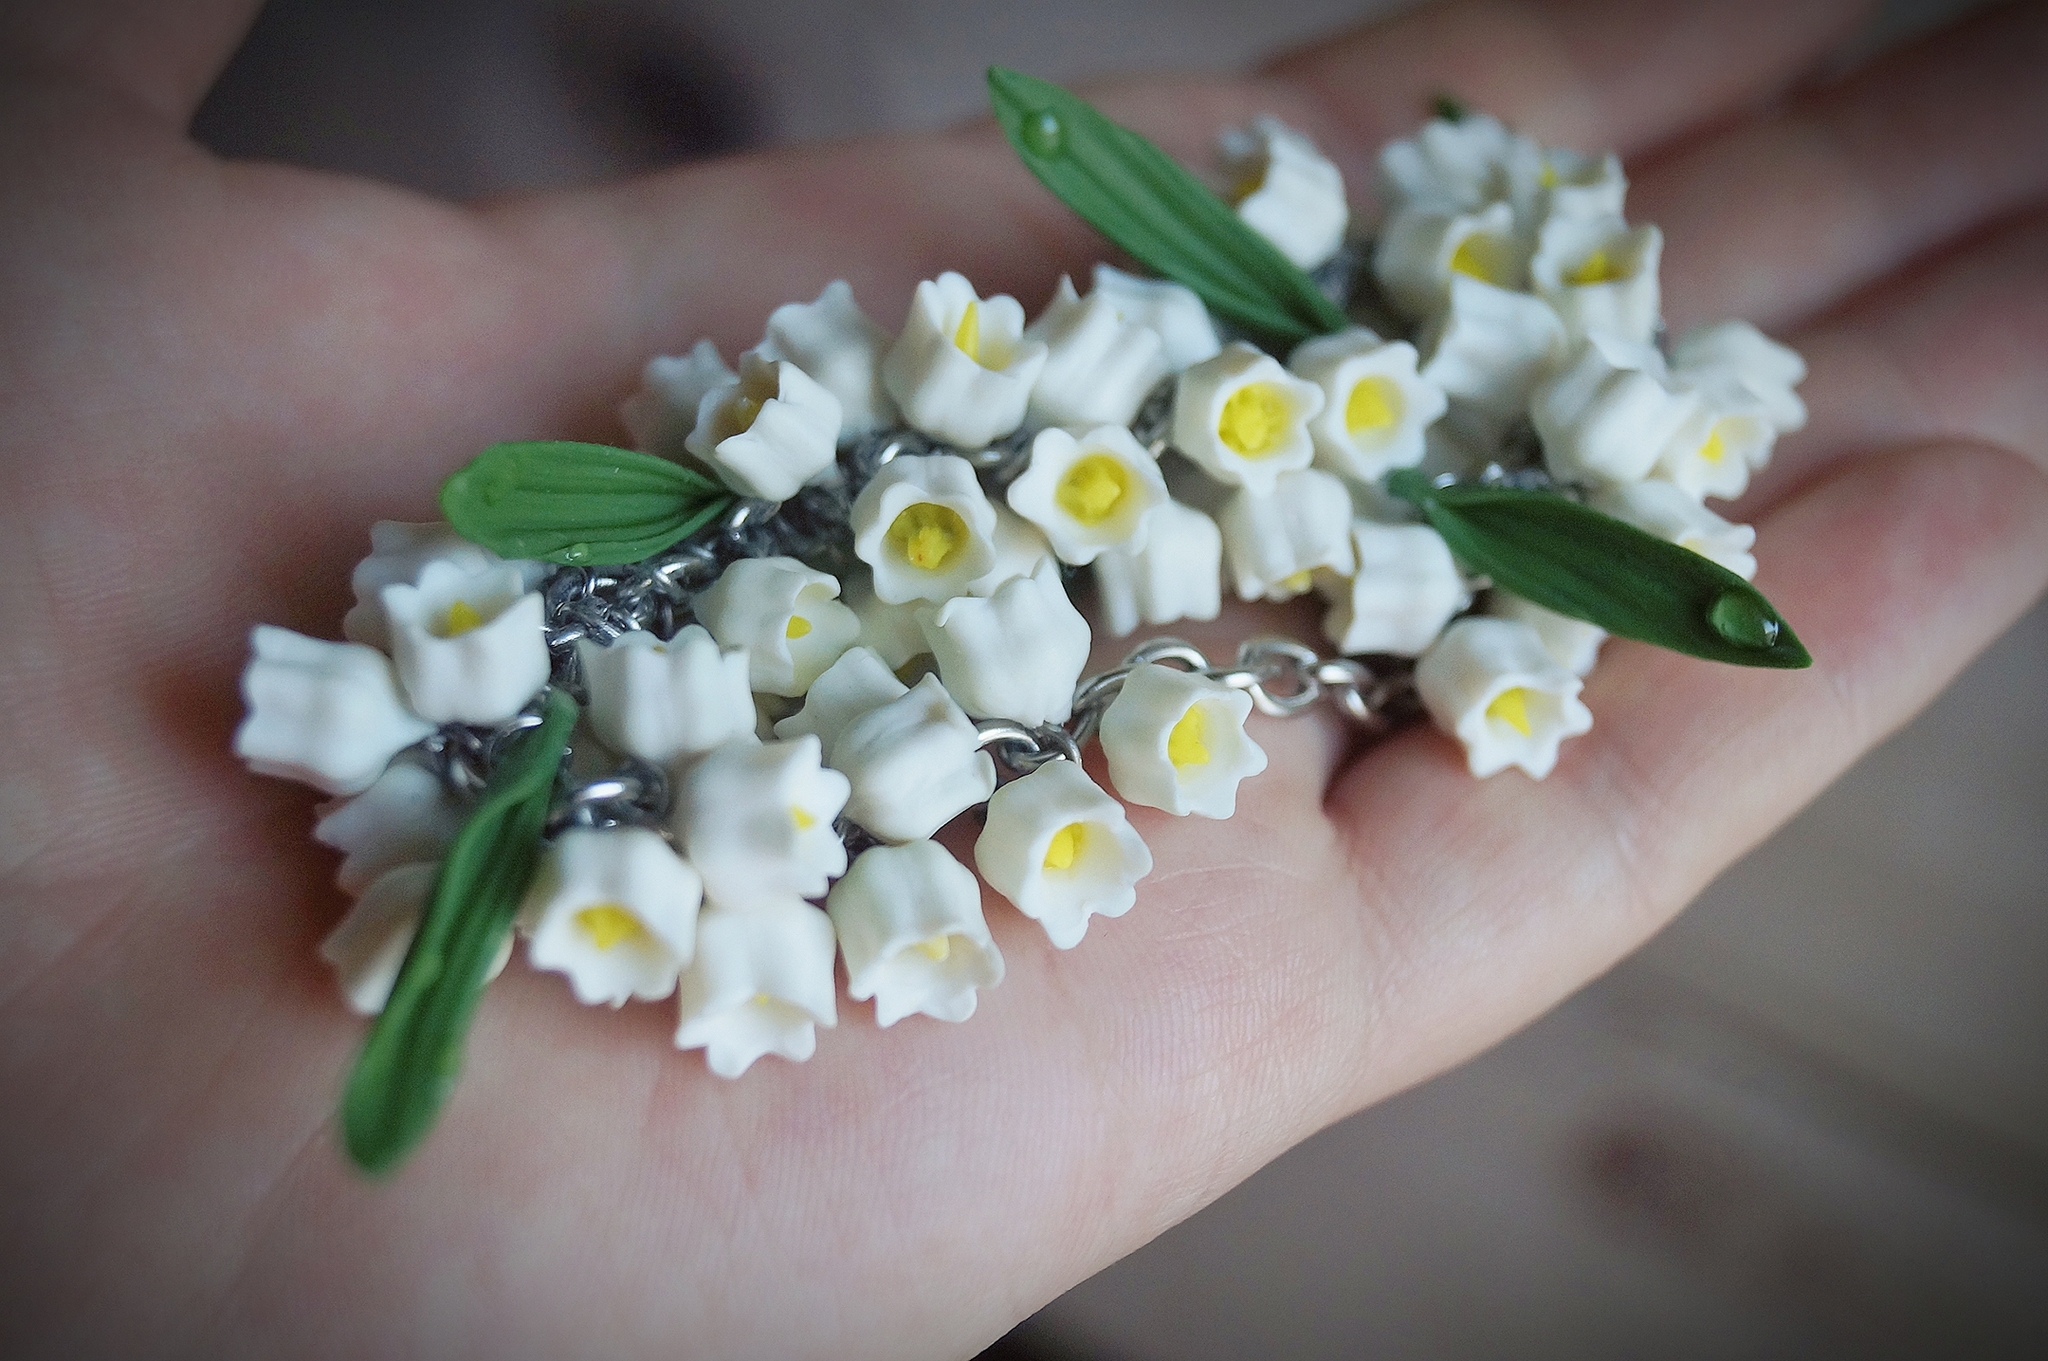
(1098, 366)
(1491, 346)
(1674, 515)
(768, 431)
(1020, 547)
(1600, 275)
(1287, 191)
(1738, 368)
(756, 821)
(1405, 590)
(1275, 542)
(614, 909)
(467, 642)
(1573, 643)
(1375, 405)
(1243, 419)
(913, 764)
(399, 552)
(841, 347)
(1568, 184)
(406, 815)
(1713, 454)
(1176, 575)
(1177, 741)
(663, 413)
(325, 714)
(661, 700)
(786, 617)
(891, 630)
(1452, 164)
(859, 681)
(1016, 654)
(1420, 251)
(1492, 684)
(1061, 850)
(910, 928)
(962, 370)
(924, 526)
(1607, 415)
(1173, 311)
(1090, 493)
(761, 983)
(368, 946)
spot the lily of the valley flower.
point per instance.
(1176, 575)
(1493, 685)
(761, 983)
(1601, 275)
(768, 431)
(399, 552)
(407, 815)
(1609, 413)
(1090, 493)
(614, 909)
(1491, 346)
(1177, 741)
(368, 946)
(910, 927)
(1020, 547)
(1276, 542)
(891, 630)
(1405, 590)
(1375, 405)
(756, 821)
(326, 714)
(1098, 366)
(786, 617)
(1714, 453)
(1453, 165)
(468, 643)
(913, 763)
(659, 701)
(1243, 419)
(663, 413)
(1572, 643)
(1671, 513)
(962, 370)
(858, 682)
(1567, 184)
(1288, 191)
(841, 347)
(1737, 367)
(925, 527)
(1173, 311)
(1421, 251)
(1062, 850)
(1016, 654)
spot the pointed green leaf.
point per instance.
(1574, 560)
(583, 504)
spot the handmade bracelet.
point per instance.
(646, 707)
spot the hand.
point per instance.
(218, 374)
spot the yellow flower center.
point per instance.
(1186, 744)
(1093, 488)
(1255, 420)
(1065, 846)
(1296, 582)
(1485, 257)
(1549, 176)
(1597, 268)
(741, 414)
(1716, 447)
(800, 819)
(1373, 406)
(936, 948)
(610, 925)
(1511, 706)
(462, 617)
(967, 336)
(928, 535)
(1248, 183)
(797, 627)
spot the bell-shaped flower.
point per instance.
(1275, 542)
(761, 983)
(1405, 590)
(1608, 414)
(925, 527)
(661, 700)
(1573, 643)
(914, 764)
(1375, 405)
(1453, 164)
(1714, 453)
(1674, 515)
(1020, 547)
(1243, 419)
(756, 821)
(1178, 574)
(910, 928)
(1016, 654)
(1601, 275)
(616, 910)
(1090, 493)
(407, 815)
(785, 615)
(468, 643)
(1174, 311)
(1556, 183)
(663, 413)
(841, 347)
(1738, 368)
(1098, 367)
(368, 946)
(1287, 191)
(1492, 684)
(1421, 250)
(1177, 741)
(858, 682)
(399, 552)
(326, 714)
(1491, 346)
(1061, 850)
(963, 369)
(768, 431)
(891, 630)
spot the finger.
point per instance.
(162, 58)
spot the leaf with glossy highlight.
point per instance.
(582, 504)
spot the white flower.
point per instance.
(406, 815)
(1669, 512)
(1287, 190)
(661, 415)
(756, 821)
(1174, 311)
(1177, 741)
(1600, 275)
(1492, 684)
(1375, 405)
(1609, 413)
(1572, 643)
(836, 343)
(1275, 542)
(1016, 654)
(1491, 346)
(1452, 164)
(962, 370)
(369, 945)
(1098, 367)
(761, 983)
(1020, 547)
(1421, 251)
(659, 700)
(399, 552)
(326, 714)
(1567, 184)
(768, 431)
(855, 684)
(784, 614)
(910, 926)
(1737, 367)
(1244, 419)
(468, 643)
(925, 527)
(1090, 493)
(891, 630)
(1176, 575)
(1061, 850)
(914, 764)
(1406, 589)
(1712, 455)
(616, 910)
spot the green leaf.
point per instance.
(1134, 194)
(1574, 560)
(414, 1051)
(581, 504)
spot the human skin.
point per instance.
(215, 375)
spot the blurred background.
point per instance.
(1809, 1119)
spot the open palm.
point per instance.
(216, 375)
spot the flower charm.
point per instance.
(837, 344)
(1176, 575)
(1098, 366)
(1737, 367)
(1609, 414)
(1573, 643)
(399, 552)
(1061, 850)
(1491, 347)
(1244, 419)
(1600, 275)
(1453, 164)
(467, 642)
(1286, 190)
(663, 413)
(1177, 741)
(1407, 588)
(891, 630)
(761, 984)
(784, 614)
(1174, 311)
(914, 764)
(1421, 252)
(910, 926)
(406, 815)
(1020, 547)
(1275, 542)
(659, 701)
(756, 821)
(1090, 493)
(1375, 405)
(1492, 684)
(325, 714)
(962, 370)
(858, 682)
(1017, 654)
(369, 945)
(925, 527)
(768, 431)
(1672, 514)
(616, 910)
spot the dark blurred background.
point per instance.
(1810, 1119)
